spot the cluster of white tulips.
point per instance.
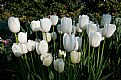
(71, 42)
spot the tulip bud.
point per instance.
(30, 45)
(91, 28)
(108, 30)
(35, 25)
(69, 42)
(43, 47)
(54, 19)
(83, 21)
(47, 37)
(17, 50)
(95, 39)
(14, 24)
(66, 25)
(62, 53)
(47, 59)
(54, 35)
(22, 37)
(75, 57)
(59, 65)
(106, 19)
(45, 24)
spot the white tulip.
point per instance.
(54, 19)
(22, 37)
(78, 28)
(77, 45)
(35, 25)
(66, 25)
(95, 39)
(83, 21)
(47, 37)
(37, 47)
(91, 28)
(45, 24)
(24, 48)
(75, 57)
(79, 39)
(14, 24)
(106, 19)
(17, 50)
(59, 65)
(54, 35)
(59, 29)
(62, 53)
(69, 42)
(30, 45)
(43, 47)
(47, 59)
(108, 30)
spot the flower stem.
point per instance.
(16, 38)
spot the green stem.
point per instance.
(16, 38)
(32, 63)
(98, 56)
(88, 58)
(25, 57)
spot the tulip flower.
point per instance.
(91, 28)
(54, 35)
(78, 28)
(47, 59)
(22, 37)
(45, 24)
(69, 42)
(79, 39)
(14, 24)
(66, 25)
(75, 57)
(47, 37)
(17, 50)
(77, 44)
(54, 19)
(59, 65)
(106, 19)
(73, 29)
(35, 25)
(37, 47)
(95, 39)
(83, 21)
(30, 45)
(108, 30)
(59, 29)
(62, 53)
(43, 47)
(24, 48)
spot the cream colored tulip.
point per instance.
(54, 35)
(14, 24)
(69, 42)
(75, 57)
(17, 50)
(95, 39)
(47, 59)
(83, 21)
(59, 65)
(45, 24)
(106, 19)
(108, 30)
(54, 19)
(47, 37)
(22, 37)
(66, 25)
(30, 45)
(35, 25)
(43, 47)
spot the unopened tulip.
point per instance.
(75, 57)
(22, 37)
(83, 21)
(108, 30)
(47, 37)
(35, 25)
(69, 42)
(54, 35)
(62, 53)
(47, 59)
(43, 47)
(30, 45)
(91, 28)
(66, 25)
(59, 65)
(106, 19)
(45, 24)
(95, 39)
(14, 24)
(17, 50)
(54, 19)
